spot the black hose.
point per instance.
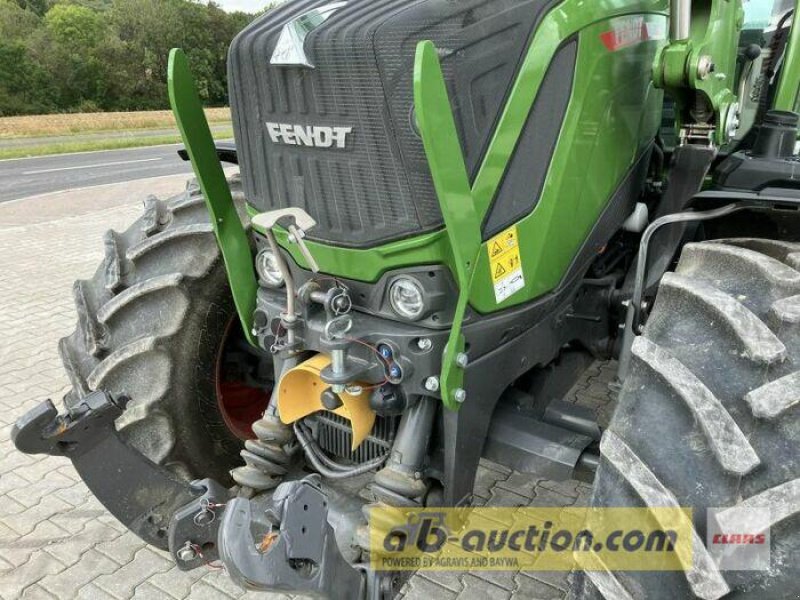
(311, 449)
(313, 446)
(323, 464)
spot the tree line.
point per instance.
(104, 55)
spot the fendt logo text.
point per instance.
(315, 136)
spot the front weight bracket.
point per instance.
(142, 495)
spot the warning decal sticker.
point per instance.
(505, 264)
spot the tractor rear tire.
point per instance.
(151, 323)
(709, 417)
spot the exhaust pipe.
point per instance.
(680, 20)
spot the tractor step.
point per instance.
(557, 450)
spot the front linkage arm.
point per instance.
(139, 493)
(142, 495)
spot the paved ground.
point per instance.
(56, 540)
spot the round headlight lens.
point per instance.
(268, 269)
(407, 298)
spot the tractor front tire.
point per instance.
(151, 325)
(709, 417)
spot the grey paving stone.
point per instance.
(546, 497)
(565, 488)
(205, 591)
(37, 592)
(70, 550)
(584, 495)
(77, 494)
(147, 591)
(485, 479)
(10, 506)
(533, 589)
(14, 581)
(420, 588)
(448, 579)
(177, 583)
(122, 582)
(32, 494)
(554, 579)
(92, 592)
(14, 460)
(502, 579)
(18, 550)
(476, 588)
(7, 535)
(11, 481)
(122, 548)
(519, 483)
(219, 580)
(85, 569)
(503, 497)
(39, 468)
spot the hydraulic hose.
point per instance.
(318, 453)
(314, 455)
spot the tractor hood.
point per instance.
(322, 101)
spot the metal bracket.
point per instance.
(233, 241)
(193, 528)
(43, 431)
(700, 58)
(446, 160)
(633, 316)
(290, 546)
(138, 492)
(300, 223)
(789, 83)
(268, 220)
(766, 200)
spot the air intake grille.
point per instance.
(335, 437)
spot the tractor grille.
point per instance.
(377, 188)
(335, 437)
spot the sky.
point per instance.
(250, 6)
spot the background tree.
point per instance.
(24, 84)
(83, 55)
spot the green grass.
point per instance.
(90, 145)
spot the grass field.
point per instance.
(77, 123)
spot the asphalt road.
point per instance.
(24, 177)
(32, 142)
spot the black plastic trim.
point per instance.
(521, 186)
(226, 152)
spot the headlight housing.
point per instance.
(407, 298)
(268, 269)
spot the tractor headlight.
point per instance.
(268, 269)
(407, 298)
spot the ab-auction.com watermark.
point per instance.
(559, 539)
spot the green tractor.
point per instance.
(445, 212)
